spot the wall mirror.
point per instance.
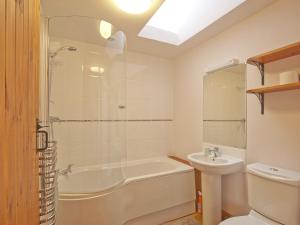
(224, 106)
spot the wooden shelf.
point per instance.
(277, 54)
(275, 88)
(260, 60)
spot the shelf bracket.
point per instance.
(261, 98)
(261, 68)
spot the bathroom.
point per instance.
(150, 112)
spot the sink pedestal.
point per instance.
(212, 198)
(212, 169)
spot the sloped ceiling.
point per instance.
(132, 24)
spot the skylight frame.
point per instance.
(194, 15)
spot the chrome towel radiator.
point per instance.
(47, 151)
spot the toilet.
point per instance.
(273, 195)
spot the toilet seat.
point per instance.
(252, 219)
(243, 220)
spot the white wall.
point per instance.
(78, 96)
(272, 138)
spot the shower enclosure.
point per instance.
(83, 84)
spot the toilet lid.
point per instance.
(243, 220)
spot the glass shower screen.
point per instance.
(87, 94)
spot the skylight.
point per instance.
(176, 21)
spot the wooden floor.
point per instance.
(194, 219)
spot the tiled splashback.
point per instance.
(92, 129)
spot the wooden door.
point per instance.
(19, 54)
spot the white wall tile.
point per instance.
(77, 96)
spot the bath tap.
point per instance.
(66, 171)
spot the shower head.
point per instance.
(67, 48)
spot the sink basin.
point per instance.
(212, 170)
(221, 165)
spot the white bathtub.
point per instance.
(154, 191)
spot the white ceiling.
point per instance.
(132, 24)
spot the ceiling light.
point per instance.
(178, 20)
(105, 29)
(134, 6)
(229, 63)
(97, 69)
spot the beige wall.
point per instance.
(273, 138)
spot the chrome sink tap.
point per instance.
(213, 153)
(66, 171)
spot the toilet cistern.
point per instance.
(273, 195)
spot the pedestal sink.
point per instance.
(211, 171)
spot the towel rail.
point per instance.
(46, 149)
